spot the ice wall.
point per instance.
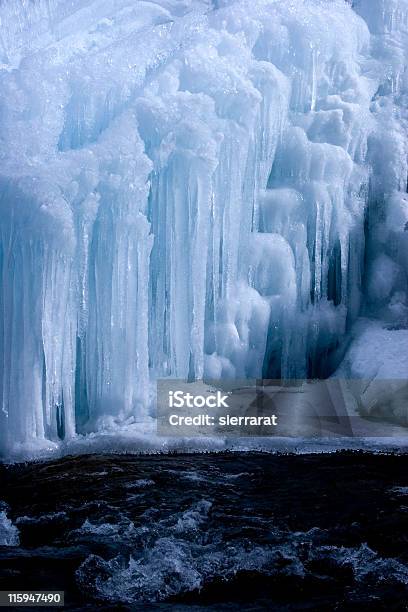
(378, 352)
(184, 192)
(387, 215)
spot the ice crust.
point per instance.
(189, 189)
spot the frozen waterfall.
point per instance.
(192, 189)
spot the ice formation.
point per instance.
(192, 188)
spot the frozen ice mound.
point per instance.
(377, 363)
(188, 189)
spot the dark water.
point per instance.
(211, 532)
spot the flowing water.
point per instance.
(209, 532)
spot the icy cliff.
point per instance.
(188, 189)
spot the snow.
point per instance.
(377, 363)
(192, 188)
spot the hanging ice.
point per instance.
(186, 190)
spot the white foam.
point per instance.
(9, 534)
